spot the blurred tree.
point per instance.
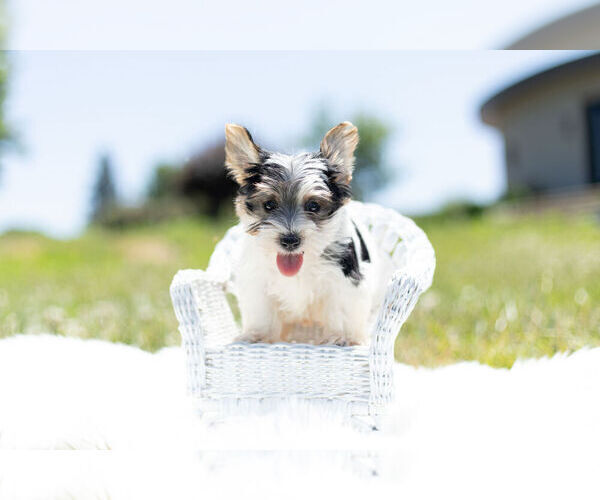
(5, 135)
(164, 181)
(370, 172)
(204, 180)
(201, 180)
(104, 195)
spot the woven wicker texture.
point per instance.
(221, 371)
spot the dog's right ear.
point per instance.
(338, 147)
(240, 152)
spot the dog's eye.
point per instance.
(312, 206)
(270, 205)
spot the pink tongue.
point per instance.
(289, 264)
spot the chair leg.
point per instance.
(209, 416)
(366, 423)
(366, 463)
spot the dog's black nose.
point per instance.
(290, 241)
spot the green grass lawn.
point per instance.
(503, 289)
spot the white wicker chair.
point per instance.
(221, 371)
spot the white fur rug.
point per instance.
(462, 431)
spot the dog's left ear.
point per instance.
(338, 147)
(240, 152)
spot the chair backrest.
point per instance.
(399, 240)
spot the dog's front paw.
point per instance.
(254, 337)
(339, 340)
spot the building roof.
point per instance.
(574, 31)
(492, 109)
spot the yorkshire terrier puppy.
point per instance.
(306, 271)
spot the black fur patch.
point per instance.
(258, 172)
(340, 192)
(253, 178)
(364, 253)
(343, 253)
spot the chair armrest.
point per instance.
(205, 320)
(401, 296)
(202, 309)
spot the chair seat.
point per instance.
(278, 370)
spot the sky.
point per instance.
(70, 105)
(277, 24)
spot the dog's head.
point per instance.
(289, 202)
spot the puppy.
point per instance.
(306, 271)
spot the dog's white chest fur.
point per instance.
(320, 304)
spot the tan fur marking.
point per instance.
(240, 151)
(338, 146)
